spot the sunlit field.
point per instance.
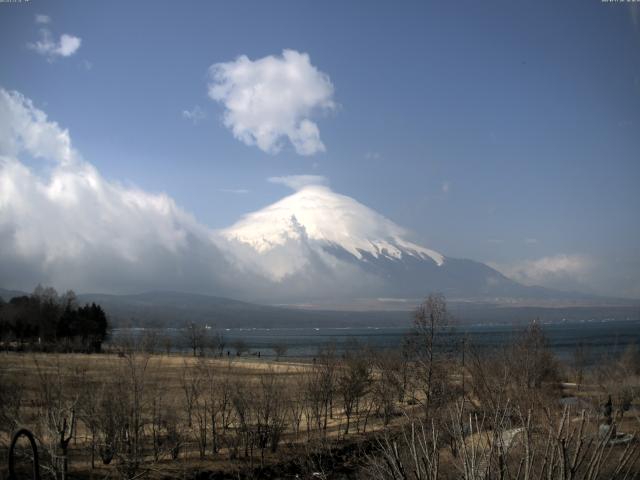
(365, 413)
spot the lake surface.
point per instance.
(600, 339)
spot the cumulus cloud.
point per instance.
(66, 46)
(196, 114)
(24, 128)
(297, 182)
(559, 271)
(73, 228)
(67, 226)
(273, 98)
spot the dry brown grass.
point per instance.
(164, 377)
(164, 374)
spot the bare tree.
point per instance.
(217, 390)
(297, 405)
(354, 379)
(532, 360)
(58, 405)
(243, 405)
(195, 337)
(240, 346)
(315, 398)
(270, 412)
(280, 349)
(110, 416)
(328, 367)
(88, 411)
(132, 386)
(157, 421)
(388, 383)
(149, 342)
(490, 375)
(430, 319)
(174, 433)
(580, 358)
(533, 370)
(414, 454)
(216, 343)
(616, 382)
(506, 445)
(201, 413)
(630, 360)
(190, 382)
(167, 343)
(11, 397)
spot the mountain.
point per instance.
(174, 309)
(330, 220)
(7, 295)
(316, 239)
(313, 249)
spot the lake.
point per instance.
(600, 338)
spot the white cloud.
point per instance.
(72, 228)
(196, 114)
(372, 156)
(446, 186)
(42, 19)
(67, 226)
(25, 128)
(273, 98)
(297, 182)
(66, 46)
(555, 270)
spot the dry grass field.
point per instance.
(365, 414)
(189, 392)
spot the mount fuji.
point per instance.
(317, 244)
(62, 223)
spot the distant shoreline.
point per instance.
(600, 338)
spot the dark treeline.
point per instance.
(48, 321)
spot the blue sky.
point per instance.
(506, 132)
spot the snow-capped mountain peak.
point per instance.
(318, 214)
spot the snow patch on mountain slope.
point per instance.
(318, 214)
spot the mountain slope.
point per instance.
(314, 247)
(323, 219)
(316, 235)
(174, 309)
(7, 295)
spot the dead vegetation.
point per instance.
(426, 411)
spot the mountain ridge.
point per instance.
(313, 247)
(315, 234)
(175, 309)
